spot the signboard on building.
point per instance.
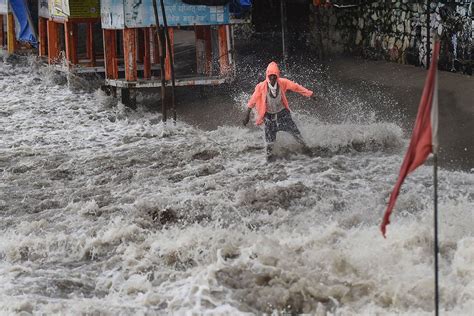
(112, 14)
(139, 13)
(3, 6)
(59, 8)
(74, 8)
(43, 9)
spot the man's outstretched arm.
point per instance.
(293, 86)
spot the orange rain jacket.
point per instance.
(259, 97)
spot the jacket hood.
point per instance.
(273, 69)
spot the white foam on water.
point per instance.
(106, 210)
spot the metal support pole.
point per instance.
(11, 37)
(436, 248)
(2, 31)
(283, 31)
(164, 98)
(160, 38)
(428, 32)
(170, 53)
(320, 33)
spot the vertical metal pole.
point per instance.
(164, 98)
(320, 33)
(11, 37)
(224, 61)
(160, 38)
(1, 31)
(42, 29)
(283, 31)
(146, 54)
(436, 249)
(110, 54)
(90, 47)
(230, 46)
(53, 42)
(170, 53)
(428, 32)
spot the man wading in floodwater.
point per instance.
(272, 108)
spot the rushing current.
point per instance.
(107, 211)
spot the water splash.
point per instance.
(103, 212)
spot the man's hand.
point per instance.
(246, 119)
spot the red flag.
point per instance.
(423, 140)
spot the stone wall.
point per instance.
(396, 30)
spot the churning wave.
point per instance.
(105, 210)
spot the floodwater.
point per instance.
(106, 211)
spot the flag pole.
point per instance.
(435, 148)
(436, 248)
(428, 32)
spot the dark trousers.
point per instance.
(280, 121)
